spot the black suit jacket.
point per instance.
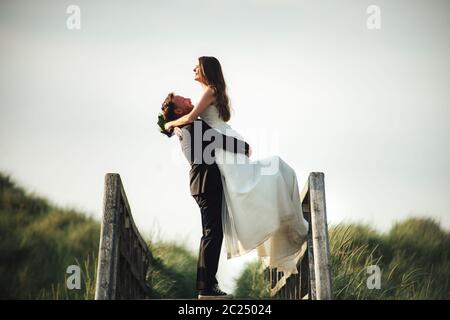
(198, 142)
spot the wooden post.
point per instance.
(108, 257)
(314, 278)
(124, 259)
(320, 241)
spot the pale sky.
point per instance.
(308, 81)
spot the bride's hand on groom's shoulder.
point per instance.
(168, 126)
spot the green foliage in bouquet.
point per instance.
(161, 122)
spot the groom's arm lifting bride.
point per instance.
(199, 141)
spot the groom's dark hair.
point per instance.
(167, 114)
(167, 108)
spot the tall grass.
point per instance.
(175, 273)
(414, 259)
(59, 291)
(251, 284)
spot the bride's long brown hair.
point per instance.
(211, 73)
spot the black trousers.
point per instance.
(211, 242)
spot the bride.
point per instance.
(262, 208)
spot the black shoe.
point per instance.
(213, 293)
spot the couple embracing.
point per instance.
(251, 204)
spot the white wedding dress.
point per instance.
(262, 208)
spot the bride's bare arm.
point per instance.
(205, 101)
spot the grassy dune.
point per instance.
(38, 241)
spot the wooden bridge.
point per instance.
(125, 261)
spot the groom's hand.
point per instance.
(178, 132)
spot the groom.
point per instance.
(205, 184)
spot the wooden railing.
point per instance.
(124, 260)
(313, 280)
